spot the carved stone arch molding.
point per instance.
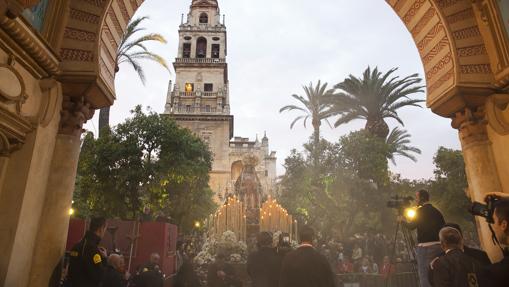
(89, 47)
(452, 50)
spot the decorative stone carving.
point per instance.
(76, 111)
(472, 127)
(497, 112)
(14, 92)
(32, 52)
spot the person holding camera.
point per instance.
(497, 275)
(428, 221)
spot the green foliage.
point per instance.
(399, 145)
(147, 161)
(374, 97)
(348, 191)
(314, 108)
(449, 187)
(342, 194)
(131, 50)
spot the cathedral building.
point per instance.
(200, 100)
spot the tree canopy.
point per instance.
(145, 162)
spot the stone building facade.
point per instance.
(57, 67)
(200, 100)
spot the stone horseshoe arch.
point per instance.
(463, 45)
(447, 35)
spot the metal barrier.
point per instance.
(404, 279)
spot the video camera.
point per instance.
(400, 202)
(485, 210)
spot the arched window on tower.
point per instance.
(204, 18)
(201, 48)
(215, 50)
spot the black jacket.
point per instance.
(263, 267)
(305, 267)
(86, 265)
(149, 275)
(113, 278)
(230, 280)
(456, 269)
(186, 276)
(428, 221)
(497, 275)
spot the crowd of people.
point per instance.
(91, 266)
(366, 253)
(443, 257)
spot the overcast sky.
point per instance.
(276, 46)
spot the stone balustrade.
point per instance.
(200, 60)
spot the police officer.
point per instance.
(87, 259)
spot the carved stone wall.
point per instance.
(89, 46)
(452, 50)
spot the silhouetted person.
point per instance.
(87, 259)
(115, 275)
(150, 274)
(498, 273)
(455, 268)
(263, 264)
(305, 267)
(186, 276)
(222, 274)
(428, 221)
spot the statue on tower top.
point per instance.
(204, 3)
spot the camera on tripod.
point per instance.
(485, 210)
(400, 203)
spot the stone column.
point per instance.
(480, 168)
(54, 223)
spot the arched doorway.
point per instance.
(64, 73)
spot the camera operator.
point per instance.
(428, 221)
(498, 274)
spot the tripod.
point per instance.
(408, 242)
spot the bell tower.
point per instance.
(199, 100)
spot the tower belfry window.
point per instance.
(187, 50)
(215, 50)
(204, 18)
(201, 48)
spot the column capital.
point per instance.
(76, 111)
(471, 124)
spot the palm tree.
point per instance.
(131, 51)
(315, 108)
(374, 97)
(398, 142)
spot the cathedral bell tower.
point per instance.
(199, 100)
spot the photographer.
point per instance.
(498, 274)
(428, 221)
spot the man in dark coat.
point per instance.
(87, 260)
(115, 275)
(305, 267)
(150, 274)
(186, 276)
(428, 221)
(497, 274)
(222, 274)
(263, 264)
(455, 268)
